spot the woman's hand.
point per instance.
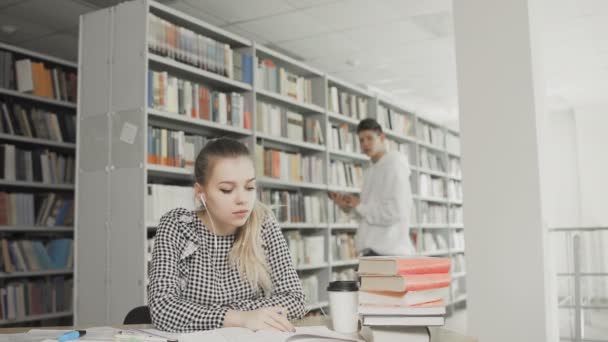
(273, 318)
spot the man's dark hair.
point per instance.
(369, 125)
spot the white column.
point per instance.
(501, 92)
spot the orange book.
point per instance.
(247, 120)
(405, 282)
(47, 81)
(276, 164)
(393, 265)
(37, 70)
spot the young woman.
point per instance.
(227, 264)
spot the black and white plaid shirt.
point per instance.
(192, 284)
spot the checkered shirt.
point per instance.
(192, 284)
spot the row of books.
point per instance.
(454, 167)
(343, 246)
(431, 160)
(431, 186)
(305, 249)
(36, 255)
(278, 80)
(433, 241)
(346, 103)
(287, 166)
(41, 80)
(395, 121)
(294, 207)
(178, 96)
(35, 165)
(161, 198)
(337, 215)
(432, 213)
(452, 143)
(310, 285)
(281, 122)
(344, 139)
(37, 123)
(455, 215)
(345, 174)
(41, 209)
(19, 300)
(7, 72)
(187, 46)
(403, 292)
(344, 274)
(431, 134)
(454, 190)
(173, 148)
(406, 149)
(458, 240)
(458, 263)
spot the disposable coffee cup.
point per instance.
(344, 306)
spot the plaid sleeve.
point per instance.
(288, 291)
(168, 310)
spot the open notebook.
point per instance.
(302, 334)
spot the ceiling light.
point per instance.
(353, 62)
(8, 29)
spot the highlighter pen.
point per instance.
(71, 335)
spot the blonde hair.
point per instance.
(247, 253)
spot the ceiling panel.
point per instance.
(59, 45)
(310, 3)
(387, 34)
(233, 11)
(55, 14)
(284, 27)
(418, 7)
(351, 14)
(330, 44)
(25, 29)
(192, 9)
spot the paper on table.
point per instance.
(102, 334)
(302, 334)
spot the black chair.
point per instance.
(138, 315)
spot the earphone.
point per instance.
(202, 198)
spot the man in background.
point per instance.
(383, 210)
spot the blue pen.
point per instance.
(71, 335)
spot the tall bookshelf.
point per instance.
(115, 115)
(22, 226)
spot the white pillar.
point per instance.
(509, 282)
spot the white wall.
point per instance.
(592, 134)
(561, 169)
(592, 145)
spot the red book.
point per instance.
(393, 265)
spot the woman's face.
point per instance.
(230, 192)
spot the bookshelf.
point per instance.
(28, 117)
(116, 112)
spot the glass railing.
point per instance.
(582, 275)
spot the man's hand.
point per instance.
(340, 200)
(352, 201)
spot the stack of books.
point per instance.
(401, 296)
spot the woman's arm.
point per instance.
(288, 292)
(168, 310)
